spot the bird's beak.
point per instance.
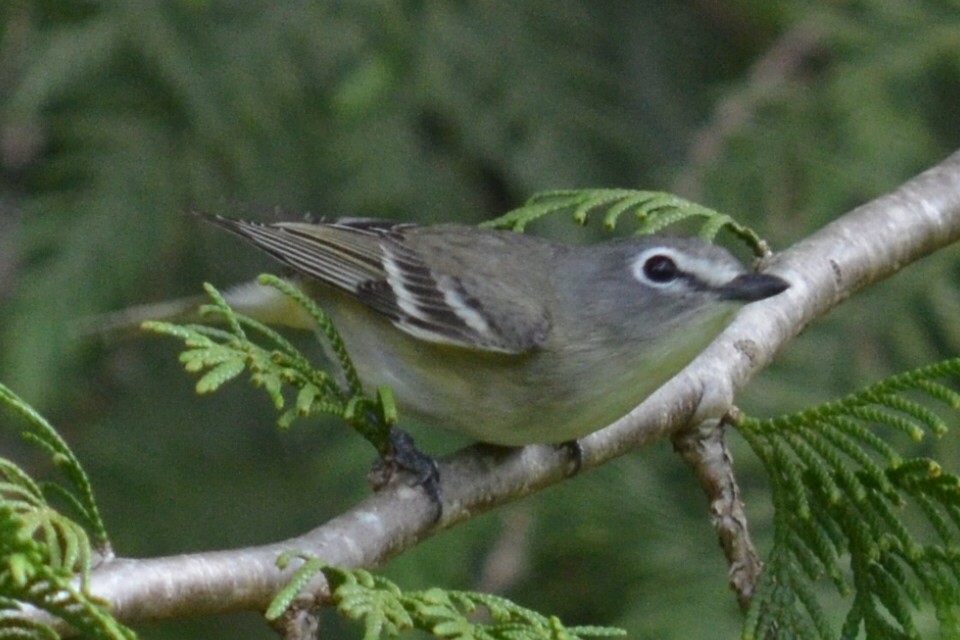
(750, 287)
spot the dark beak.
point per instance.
(750, 287)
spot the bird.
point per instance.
(508, 338)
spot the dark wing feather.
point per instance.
(370, 260)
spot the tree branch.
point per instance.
(863, 247)
(704, 448)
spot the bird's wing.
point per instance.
(373, 261)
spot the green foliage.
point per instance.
(25, 496)
(41, 550)
(386, 611)
(653, 209)
(117, 115)
(225, 354)
(840, 490)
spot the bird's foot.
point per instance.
(575, 451)
(403, 455)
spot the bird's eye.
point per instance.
(660, 269)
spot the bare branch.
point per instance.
(704, 448)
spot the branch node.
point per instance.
(301, 621)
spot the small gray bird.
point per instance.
(507, 338)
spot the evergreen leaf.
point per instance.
(278, 366)
(830, 462)
(653, 209)
(385, 610)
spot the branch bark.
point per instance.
(704, 448)
(863, 247)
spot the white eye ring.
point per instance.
(657, 267)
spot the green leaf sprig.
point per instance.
(385, 610)
(841, 496)
(655, 210)
(223, 354)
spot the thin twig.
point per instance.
(704, 448)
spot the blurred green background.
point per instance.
(117, 115)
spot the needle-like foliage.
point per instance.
(42, 551)
(223, 354)
(854, 516)
(654, 210)
(385, 611)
